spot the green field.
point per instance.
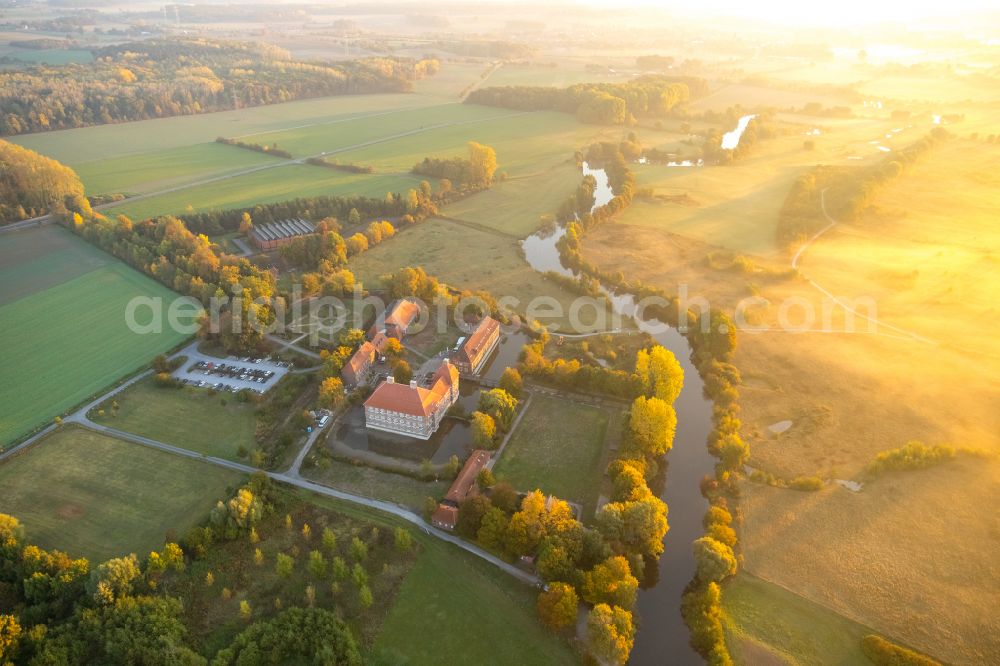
(447, 602)
(76, 146)
(96, 496)
(515, 206)
(464, 257)
(161, 169)
(66, 336)
(185, 417)
(557, 448)
(277, 184)
(797, 630)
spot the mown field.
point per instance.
(100, 497)
(370, 482)
(66, 336)
(557, 448)
(216, 425)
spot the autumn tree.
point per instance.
(610, 633)
(511, 382)
(500, 405)
(661, 374)
(557, 606)
(651, 426)
(636, 526)
(484, 430)
(331, 393)
(611, 582)
(715, 560)
(114, 579)
(402, 373)
(484, 163)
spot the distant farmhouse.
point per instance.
(397, 320)
(276, 234)
(472, 352)
(413, 410)
(446, 514)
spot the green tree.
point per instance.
(317, 564)
(485, 479)
(296, 635)
(492, 532)
(329, 540)
(500, 405)
(402, 539)
(715, 560)
(610, 634)
(284, 565)
(470, 515)
(359, 550)
(114, 579)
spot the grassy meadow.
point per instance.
(462, 256)
(283, 182)
(100, 497)
(370, 482)
(186, 417)
(558, 448)
(66, 337)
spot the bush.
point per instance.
(913, 455)
(884, 653)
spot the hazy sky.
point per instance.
(837, 12)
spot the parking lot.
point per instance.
(230, 374)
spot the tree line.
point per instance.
(712, 336)
(273, 149)
(157, 78)
(32, 185)
(849, 190)
(598, 103)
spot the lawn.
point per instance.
(284, 182)
(557, 447)
(70, 339)
(759, 613)
(97, 496)
(369, 482)
(466, 258)
(516, 205)
(448, 599)
(185, 417)
(161, 169)
(449, 596)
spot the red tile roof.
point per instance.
(397, 320)
(467, 477)
(362, 357)
(476, 342)
(415, 400)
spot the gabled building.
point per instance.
(473, 351)
(276, 234)
(446, 514)
(410, 409)
(396, 320)
(358, 368)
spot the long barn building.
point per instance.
(275, 234)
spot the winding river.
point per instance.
(663, 637)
